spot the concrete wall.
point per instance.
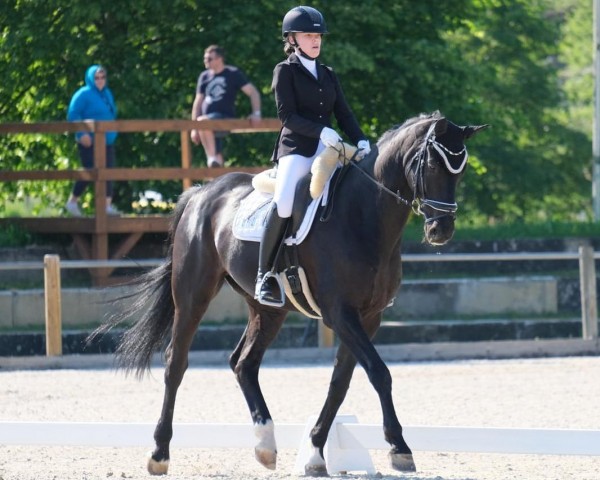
(453, 298)
(84, 306)
(449, 299)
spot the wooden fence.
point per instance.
(91, 235)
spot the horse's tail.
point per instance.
(152, 297)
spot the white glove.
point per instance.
(330, 137)
(364, 147)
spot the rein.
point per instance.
(352, 161)
(397, 195)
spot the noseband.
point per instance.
(421, 158)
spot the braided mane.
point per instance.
(398, 140)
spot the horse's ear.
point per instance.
(472, 130)
(441, 126)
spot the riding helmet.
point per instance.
(303, 19)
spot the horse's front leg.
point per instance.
(346, 323)
(263, 325)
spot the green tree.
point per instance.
(507, 63)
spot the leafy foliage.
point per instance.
(522, 66)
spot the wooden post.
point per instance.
(589, 305)
(100, 235)
(186, 156)
(52, 305)
(326, 336)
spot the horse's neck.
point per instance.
(388, 170)
(391, 213)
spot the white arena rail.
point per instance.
(346, 449)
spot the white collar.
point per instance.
(310, 65)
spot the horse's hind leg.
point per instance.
(190, 306)
(338, 387)
(263, 325)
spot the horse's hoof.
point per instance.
(315, 467)
(267, 458)
(157, 467)
(402, 462)
(315, 471)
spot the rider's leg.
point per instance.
(268, 290)
(290, 170)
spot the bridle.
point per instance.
(421, 158)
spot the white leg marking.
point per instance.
(315, 467)
(266, 448)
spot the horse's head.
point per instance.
(434, 171)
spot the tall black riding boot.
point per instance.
(268, 288)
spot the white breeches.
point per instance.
(291, 168)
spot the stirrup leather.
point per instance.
(259, 294)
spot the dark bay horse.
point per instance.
(353, 266)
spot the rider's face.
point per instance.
(310, 43)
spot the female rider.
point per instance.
(307, 93)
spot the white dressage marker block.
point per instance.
(343, 452)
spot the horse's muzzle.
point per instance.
(440, 229)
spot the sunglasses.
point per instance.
(99, 77)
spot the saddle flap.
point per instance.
(251, 216)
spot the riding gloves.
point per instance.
(364, 147)
(330, 137)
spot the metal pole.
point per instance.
(596, 123)
(589, 305)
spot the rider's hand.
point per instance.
(330, 137)
(365, 148)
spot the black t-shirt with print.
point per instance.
(220, 90)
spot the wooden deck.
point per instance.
(123, 224)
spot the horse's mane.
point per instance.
(400, 138)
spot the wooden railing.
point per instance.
(100, 226)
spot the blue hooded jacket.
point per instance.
(89, 103)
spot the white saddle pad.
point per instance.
(251, 217)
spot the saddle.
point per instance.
(314, 193)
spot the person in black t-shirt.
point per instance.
(216, 92)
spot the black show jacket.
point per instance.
(305, 105)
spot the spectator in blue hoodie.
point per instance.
(94, 101)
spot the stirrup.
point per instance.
(271, 303)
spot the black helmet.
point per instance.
(303, 19)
